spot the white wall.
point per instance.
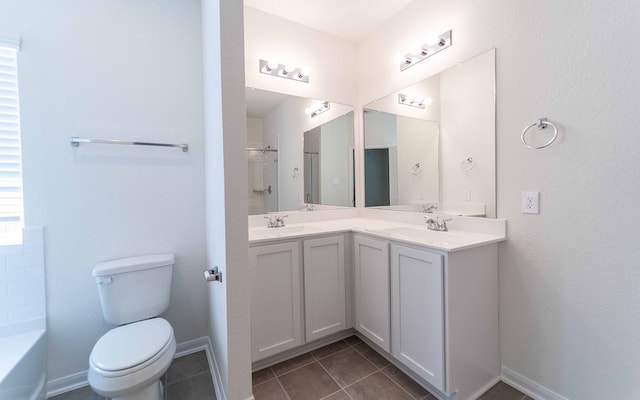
(226, 194)
(417, 144)
(468, 127)
(255, 132)
(335, 166)
(111, 70)
(569, 286)
(332, 61)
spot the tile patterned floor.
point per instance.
(348, 370)
(345, 370)
(188, 378)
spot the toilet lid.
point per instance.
(130, 345)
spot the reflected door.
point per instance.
(311, 178)
(376, 177)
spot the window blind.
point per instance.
(11, 208)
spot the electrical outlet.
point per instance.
(531, 202)
(467, 195)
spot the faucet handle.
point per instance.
(443, 226)
(280, 220)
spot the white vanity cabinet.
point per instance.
(371, 275)
(324, 286)
(276, 291)
(417, 312)
(298, 293)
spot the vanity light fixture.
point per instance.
(285, 71)
(415, 101)
(417, 53)
(317, 109)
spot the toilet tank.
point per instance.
(135, 288)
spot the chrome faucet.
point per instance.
(429, 208)
(276, 222)
(436, 225)
(307, 207)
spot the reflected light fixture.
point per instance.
(287, 71)
(432, 45)
(317, 109)
(415, 101)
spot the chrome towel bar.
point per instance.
(75, 142)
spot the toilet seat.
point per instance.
(113, 382)
(130, 348)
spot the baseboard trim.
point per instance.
(215, 370)
(78, 380)
(486, 387)
(529, 387)
(67, 384)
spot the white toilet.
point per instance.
(128, 361)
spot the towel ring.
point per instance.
(541, 124)
(416, 169)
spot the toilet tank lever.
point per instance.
(212, 275)
(103, 280)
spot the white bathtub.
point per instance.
(23, 349)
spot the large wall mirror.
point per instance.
(299, 153)
(430, 147)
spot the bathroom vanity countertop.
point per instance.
(402, 232)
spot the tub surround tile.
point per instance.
(22, 274)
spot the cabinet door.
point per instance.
(276, 319)
(417, 310)
(372, 290)
(324, 288)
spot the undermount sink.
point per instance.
(434, 237)
(282, 231)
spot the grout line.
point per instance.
(330, 354)
(296, 368)
(363, 378)
(331, 394)
(402, 387)
(283, 389)
(330, 376)
(268, 380)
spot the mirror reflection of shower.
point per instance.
(263, 179)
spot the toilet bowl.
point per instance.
(128, 361)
